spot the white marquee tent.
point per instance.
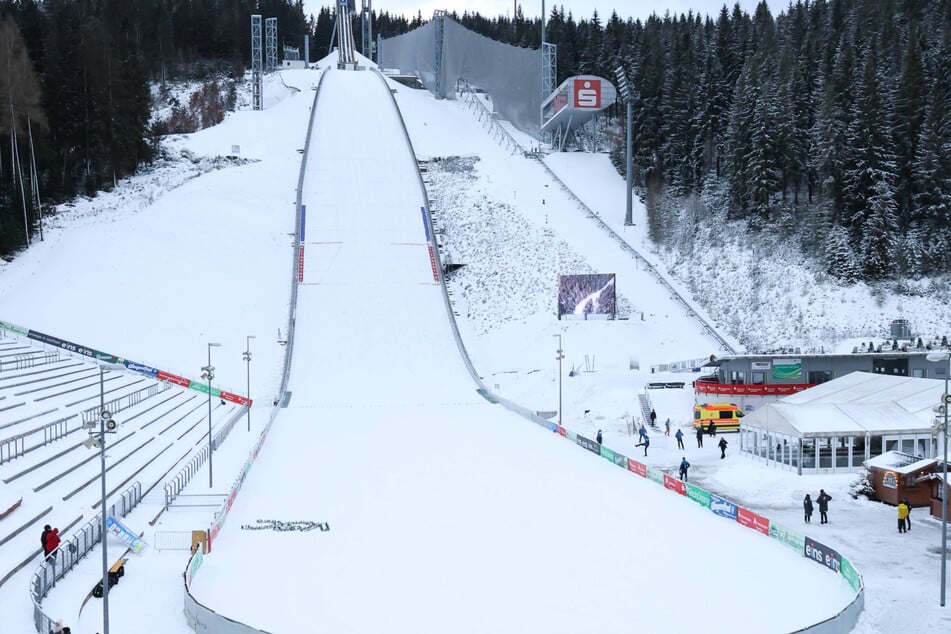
(836, 426)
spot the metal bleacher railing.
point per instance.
(71, 551)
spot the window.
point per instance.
(819, 376)
(759, 378)
(737, 377)
(918, 373)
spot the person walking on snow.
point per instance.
(823, 501)
(667, 427)
(700, 436)
(907, 517)
(642, 433)
(722, 445)
(684, 465)
(599, 436)
(807, 508)
(46, 531)
(680, 439)
(645, 443)
(51, 544)
(712, 428)
(653, 418)
(902, 516)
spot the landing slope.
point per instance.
(447, 514)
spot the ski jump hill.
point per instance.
(438, 507)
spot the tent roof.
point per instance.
(854, 405)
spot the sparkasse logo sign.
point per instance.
(588, 93)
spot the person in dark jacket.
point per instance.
(712, 428)
(599, 437)
(700, 436)
(653, 418)
(51, 544)
(823, 501)
(807, 508)
(722, 445)
(645, 443)
(684, 465)
(680, 439)
(907, 517)
(46, 531)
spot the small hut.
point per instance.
(895, 475)
(939, 489)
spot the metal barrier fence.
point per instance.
(91, 414)
(30, 360)
(15, 446)
(181, 479)
(71, 551)
(172, 540)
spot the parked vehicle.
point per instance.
(726, 416)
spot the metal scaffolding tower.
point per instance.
(366, 20)
(256, 74)
(270, 44)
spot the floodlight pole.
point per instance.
(944, 483)
(247, 357)
(103, 418)
(629, 213)
(208, 373)
(942, 356)
(561, 355)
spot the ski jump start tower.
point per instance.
(347, 56)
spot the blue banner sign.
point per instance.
(127, 537)
(141, 368)
(723, 508)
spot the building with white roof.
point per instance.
(837, 425)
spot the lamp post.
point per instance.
(942, 356)
(98, 440)
(208, 373)
(628, 95)
(247, 358)
(561, 355)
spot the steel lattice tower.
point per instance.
(367, 24)
(270, 44)
(256, 70)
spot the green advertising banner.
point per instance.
(851, 574)
(787, 368)
(14, 328)
(620, 460)
(787, 537)
(572, 436)
(698, 495)
(607, 454)
(655, 474)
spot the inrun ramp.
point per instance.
(447, 513)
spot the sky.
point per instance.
(638, 9)
(423, 484)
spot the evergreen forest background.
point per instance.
(827, 125)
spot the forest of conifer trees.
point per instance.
(828, 122)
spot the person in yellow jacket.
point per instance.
(902, 514)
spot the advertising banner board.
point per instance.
(655, 474)
(637, 467)
(723, 508)
(822, 554)
(674, 485)
(750, 519)
(787, 537)
(125, 535)
(589, 444)
(851, 574)
(607, 454)
(698, 495)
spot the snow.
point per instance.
(443, 509)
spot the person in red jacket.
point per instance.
(51, 544)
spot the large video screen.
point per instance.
(582, 295)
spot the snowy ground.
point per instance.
(515, 232)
